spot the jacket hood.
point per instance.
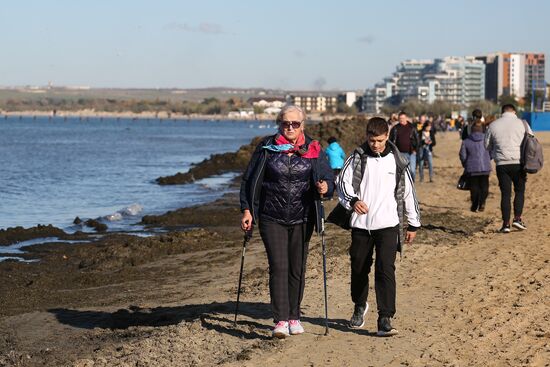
(370, 153)
(476, 136)
(333, 146)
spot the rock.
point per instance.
(18, 234)
(97, 225)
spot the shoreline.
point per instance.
(147, 115)
(126, 115)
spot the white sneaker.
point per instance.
(281, 330)
(518, 223)
(296, 327)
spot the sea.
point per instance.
(53, 169)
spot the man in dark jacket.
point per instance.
(405, 136)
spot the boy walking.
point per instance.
(376, 184)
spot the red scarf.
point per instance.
(310, 150)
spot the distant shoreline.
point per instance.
(313, 117)
(128, 114)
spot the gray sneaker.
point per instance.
(358, 318)
(385, 328)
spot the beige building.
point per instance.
(266, 102)
(314, 103)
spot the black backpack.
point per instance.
(531, 159)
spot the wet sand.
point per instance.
(467, 296)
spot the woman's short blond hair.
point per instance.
(290, 108)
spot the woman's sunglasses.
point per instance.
(288, 124)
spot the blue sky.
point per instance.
(277, 44)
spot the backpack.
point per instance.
(531, 159)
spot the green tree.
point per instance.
(503, 99)
(258, 110)
(487, 107)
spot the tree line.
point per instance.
(208, 106)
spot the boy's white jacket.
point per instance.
(377, 190)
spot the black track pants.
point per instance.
(363, 244)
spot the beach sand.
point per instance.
(466, 295)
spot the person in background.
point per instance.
(503, 140)
(452, 124)
(422, 119)
(477, 116)
(281, 192)
(393, 120)
(476, 161)
(425, 151)
(405, 137)
(336, 155)
(459, 124)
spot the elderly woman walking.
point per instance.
(281, 192)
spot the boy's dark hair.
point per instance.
(331, 140)
(402, 113)
(477, 114)
(508, 108)
(377, 126)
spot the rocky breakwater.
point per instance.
(349, 133)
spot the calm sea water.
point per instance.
(52, 170)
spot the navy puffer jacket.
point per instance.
(286, 194)
(252, 184)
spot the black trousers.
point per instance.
(287, 248)
(363, 245)
(479, 190)
(508, 174)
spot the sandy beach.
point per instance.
(467, 295)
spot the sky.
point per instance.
(345, 45)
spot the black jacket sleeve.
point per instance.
(249, 173)
(326, 173)
(393, 134)
(415, 139)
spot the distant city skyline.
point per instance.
(283, 45)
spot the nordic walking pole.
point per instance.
(324, 264)
(247, 236)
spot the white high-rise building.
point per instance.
(517, 75)
(459, 80)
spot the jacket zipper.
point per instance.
(289, 187)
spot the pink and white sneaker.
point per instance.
(296, 327)
(281, 330)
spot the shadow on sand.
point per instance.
(213, 316)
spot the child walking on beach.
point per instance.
(376, 184)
